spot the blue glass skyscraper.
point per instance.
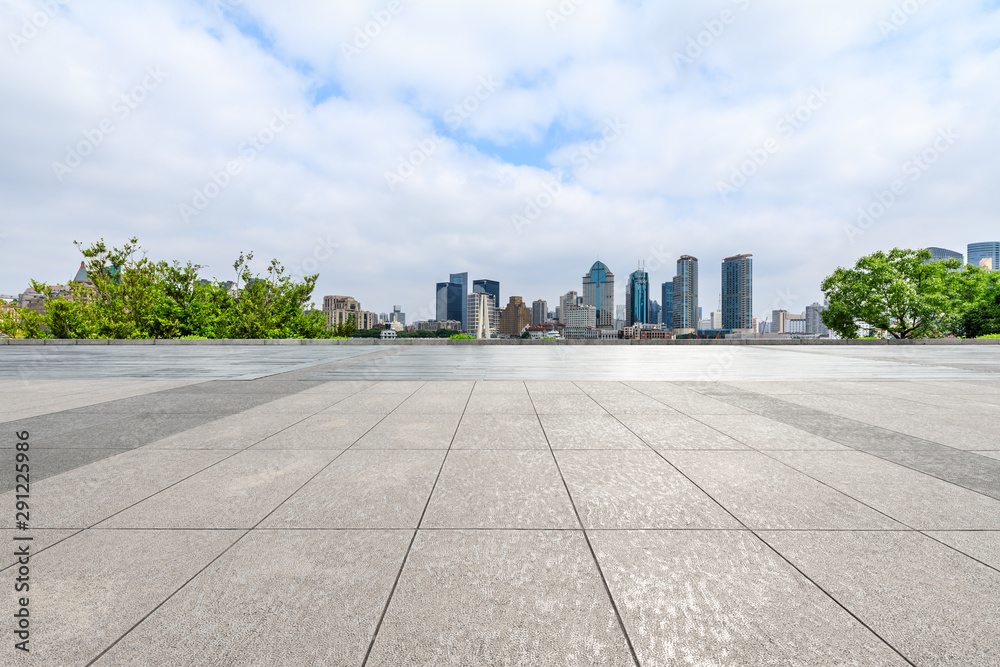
(637, 299)
(463, 280)
(980, 251)
(487, 287)
(599, 292)
(737, 292)
(667, 305)
(449, 302)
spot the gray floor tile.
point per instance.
(325, 430)
(236, 493)
(725, 598)
(542, 387)
(981, 545)
(767, 434)
(364, 403)
(234, 432)
(434, 404)
(408, 431)
(500, 598)
(319, 607)
(126, 432)
(918, 500)
(81, 497)
(364, 489)
(500, 432)
(563, 404)
(510, 388)
(623, 489)
(46, 463)
(763, 493)
(588, 432)
(665, 432)
(933, 604)
(990, 455)
(500, 489)
(504, 404)
(99, 583)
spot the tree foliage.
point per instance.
(134, 297)
(903, 293)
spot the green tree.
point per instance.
(903, 293)
(983, 317)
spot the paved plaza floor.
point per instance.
(581, 505)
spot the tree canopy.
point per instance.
(905, 294)
(134, 297)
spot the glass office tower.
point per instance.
(667, 305)
(463, 280)
(637, 299)
(985, 251)
(599, 292)
(686, 293)
(737, 292)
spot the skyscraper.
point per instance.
(487, 287)
(539, 313)
(599, 291)
(449, 302)
(814, 319)
(463, 280)
(514, 317)
(484, 316)
(980, 251)
(686, 293)
(667, 305)
(637, 299)
(737, 292)
(566, 301)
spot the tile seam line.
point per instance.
(586, 537)
(779, 554)
(927, 534)
(220, 555)
(852, 447)
(416, 531)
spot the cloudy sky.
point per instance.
(387, 143)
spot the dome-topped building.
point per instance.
(599, 292)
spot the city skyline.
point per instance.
(623, 131)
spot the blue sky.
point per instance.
(634, 131)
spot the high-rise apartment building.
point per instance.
(814, 320)
(667, 305)
(566, 301)
(539, 313)
(737, 293)
(686, 293)
(779, 321)
(599, 292)
(484, 316)
(514, 317)
(463, 280)
(985, 251)
(637, 298)
(449, 301)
